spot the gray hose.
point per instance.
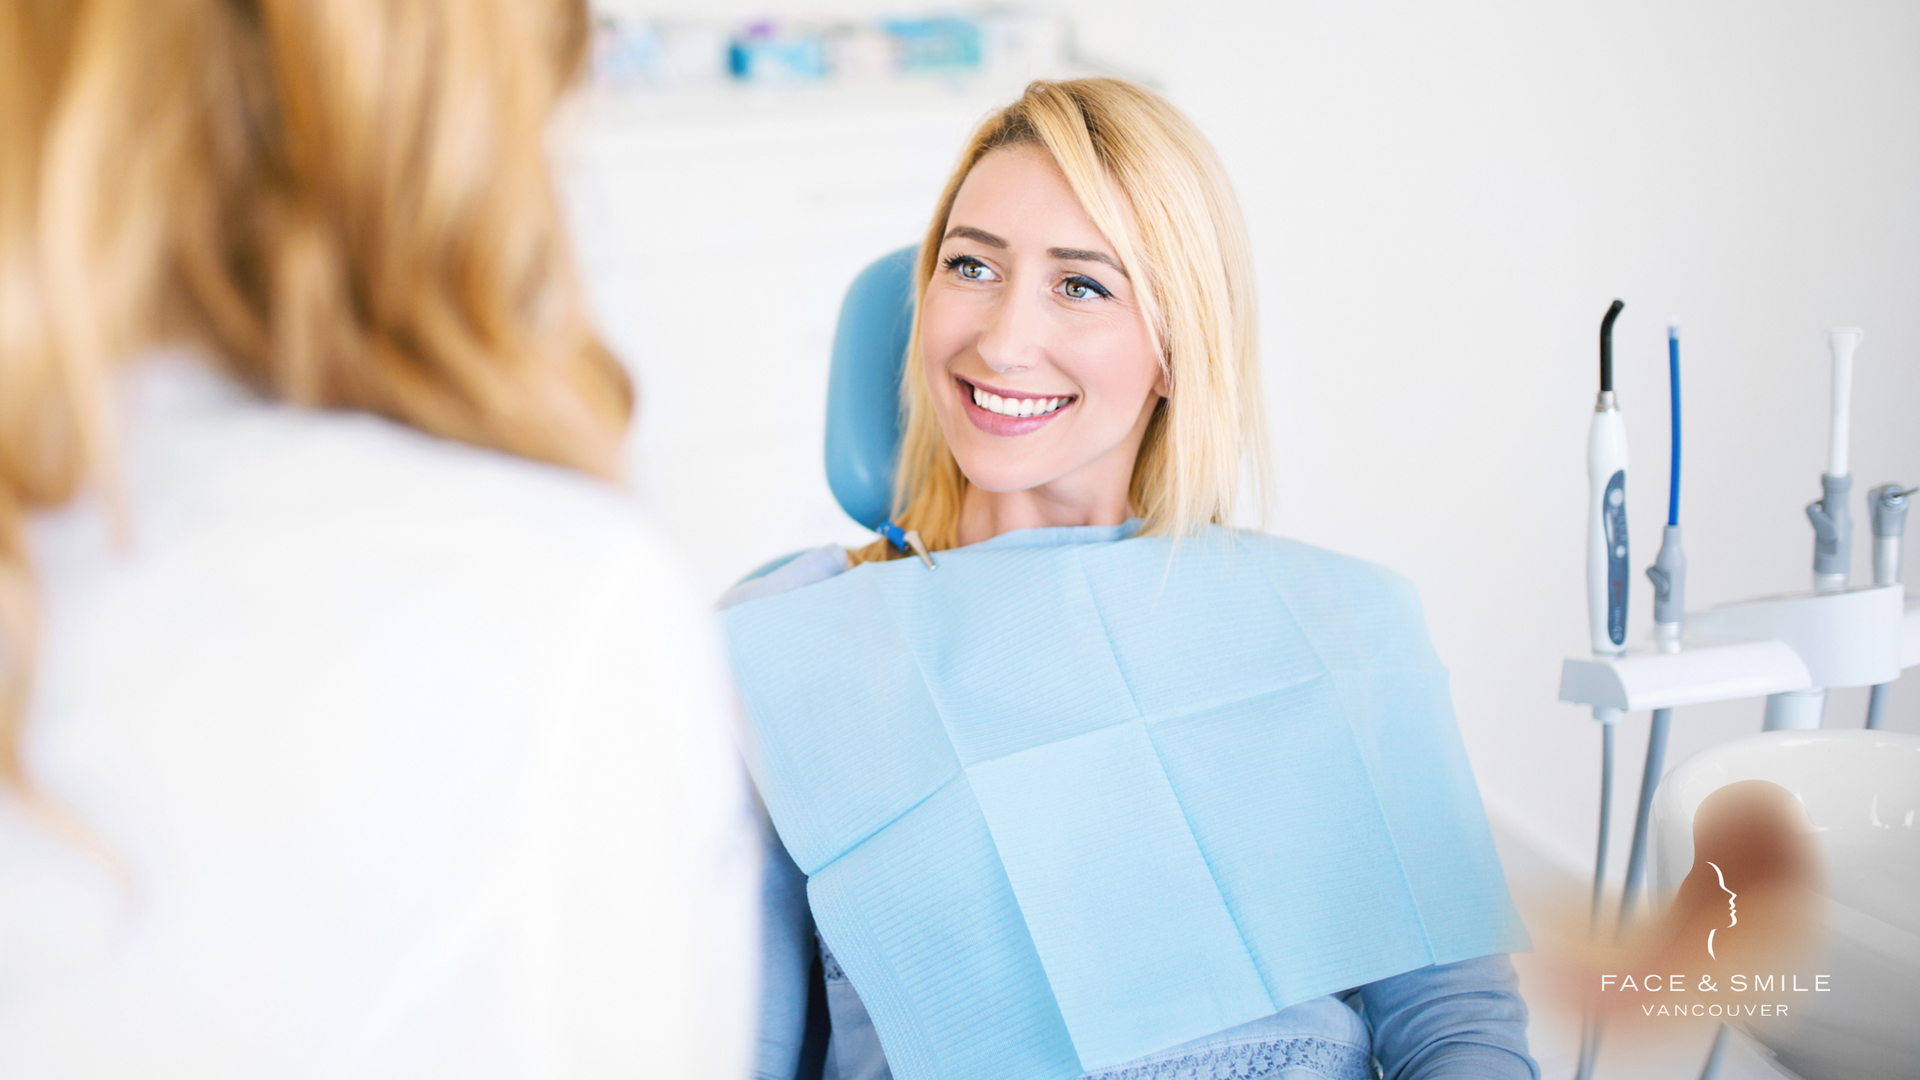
(1877, 707)
(1590, 1027)
(1649, 780)
(1606, 819)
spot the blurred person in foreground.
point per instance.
(353, 722)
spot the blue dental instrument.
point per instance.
(1669, 576)
(907, 540)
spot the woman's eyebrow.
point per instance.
(972, 233)
(1083, 255)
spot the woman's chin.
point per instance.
(998, 465)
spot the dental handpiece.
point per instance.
(1889, 512)
(1888, 504)
(1607, 554)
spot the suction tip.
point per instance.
(1673, 327)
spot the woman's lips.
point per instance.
(994, 423)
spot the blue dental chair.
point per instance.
(863, 390)
(863, 393)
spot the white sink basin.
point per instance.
(1861, 790)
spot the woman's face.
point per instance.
(1036, 353)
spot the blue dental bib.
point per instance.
(1064, 804)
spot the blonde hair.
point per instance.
(1196, 285)
(343, 203)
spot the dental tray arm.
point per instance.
(1856, 637)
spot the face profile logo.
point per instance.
(1732, 913)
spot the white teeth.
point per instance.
(1016, 407)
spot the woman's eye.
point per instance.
(1083, 288)
(970, 268)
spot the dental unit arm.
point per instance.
(1788, 648)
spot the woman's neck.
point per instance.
(986, 514)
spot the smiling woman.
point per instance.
(1102, 267)
(1063, 804)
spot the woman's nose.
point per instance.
(1014, 336)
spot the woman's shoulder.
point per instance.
(318, 620)
(324, 526)
(204, 455)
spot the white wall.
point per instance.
(1443, 200)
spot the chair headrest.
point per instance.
(863, 389)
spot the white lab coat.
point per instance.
(413, 759)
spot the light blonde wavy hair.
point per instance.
(343, 203)
(1207, 440)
